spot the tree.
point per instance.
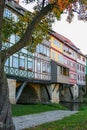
(53, 8)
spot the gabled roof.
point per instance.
(66, 41)
(63, 39)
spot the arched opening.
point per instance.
(29, 95)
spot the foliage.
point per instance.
(19, 28)
(40, 32)
(8, 26)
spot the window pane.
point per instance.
(22, 62)
(60, 58)
(44, 67)
(41, 48)
(12, 39)
(45, 50)
(15, 62)
(7, 63)
(37, 48)
(17, 38)
(48, 68)
(48, 52)
(30, 64)
(7, 13)
(57, 43)
(39, 66)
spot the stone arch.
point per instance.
(29, 95)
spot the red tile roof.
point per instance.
(63, 39)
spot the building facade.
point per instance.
(81, 73)
(51, 73)
(28, 73)
(64, 52)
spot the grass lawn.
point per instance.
(77, 121)
(19, 110)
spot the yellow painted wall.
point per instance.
(55, 46)
(55, 49)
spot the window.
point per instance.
(15, 17)
(48, 67)
(78, 66)
(66, 49)
(45, 50)
(15, 62)
(80, 78)
(17, 38)
(71, 64)
(64, 71)
(48, 52)
(74, 65)
(23, 50)
(70, 51)
(56, 43)
(83, 58)
(30, 65)
(79, 56)
(21, 63)
(7, 62)
(38, 65)
(84, 78)
(60, 58)
(44, 67)
(83, 69)
(65, 61)
(41, 48)
(7, 13)
(12, 39)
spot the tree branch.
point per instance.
(28, 34)
(43, 3)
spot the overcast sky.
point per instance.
(75, 31)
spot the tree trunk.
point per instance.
(6, 122)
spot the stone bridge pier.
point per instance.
(24, 92)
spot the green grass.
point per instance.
(77, 121)
(19, 110)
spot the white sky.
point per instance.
(75, 31)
